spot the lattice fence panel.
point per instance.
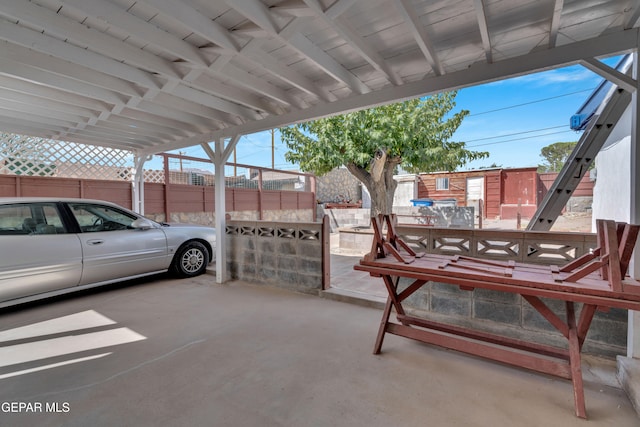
(154, 175)
(20, 155)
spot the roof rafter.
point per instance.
(411, 18)
(632, 15)
(70, 30)
(60, 49)
(142, 29)
(356, 42)
(609, 73)
(219, 35)
(480, 73)
(260, 15)
(338, 8)
(555, 22)
(198, 22)
(484, 29)
(115, 16)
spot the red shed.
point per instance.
(505, 192)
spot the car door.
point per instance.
(112, 248)
(38, 253)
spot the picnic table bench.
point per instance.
(598, 280)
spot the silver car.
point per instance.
(54, 246)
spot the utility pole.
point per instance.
(273, 149)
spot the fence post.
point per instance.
(167, 180)
(326, 253)
(519, 215)
(260, 193)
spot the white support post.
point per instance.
(221, 210)
(137, 185)
(633, 331)
(219, 158)
(628, 371)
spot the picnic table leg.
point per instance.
(383, 325)
(574, 360)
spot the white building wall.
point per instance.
(612, 199)
(613, 175)
(611, 192)
(405, 191)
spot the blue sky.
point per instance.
(514, 119)
(511, 119)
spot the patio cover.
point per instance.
(154, 75)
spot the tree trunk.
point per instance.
(381, 190)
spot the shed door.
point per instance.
(475, 192)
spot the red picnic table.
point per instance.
(597, 280)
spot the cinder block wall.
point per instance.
(352, 217)
(209, 218)
(444, 216)
(509, 314)
(289, 255)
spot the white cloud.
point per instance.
(575, 74)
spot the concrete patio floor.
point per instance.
(245, 355)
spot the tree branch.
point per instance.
(360, 173)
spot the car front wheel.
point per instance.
(191, 260)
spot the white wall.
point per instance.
(611, 192)
(612, 199)
(613, 179)
(405, 191)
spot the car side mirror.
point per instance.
(142, 224)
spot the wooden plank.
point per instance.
(487, 337)
(602, 244)
(586, 316)
(627, 244)
(588, 269)
(383, 326)
(612, 248)
(532, 362)
(545, 312)
(575, 363)
(600, 297)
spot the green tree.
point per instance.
(372, 143)
(555, 156)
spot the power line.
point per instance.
(530, 102)
(517, 133)
(517, 139)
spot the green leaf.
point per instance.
(417, 133)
